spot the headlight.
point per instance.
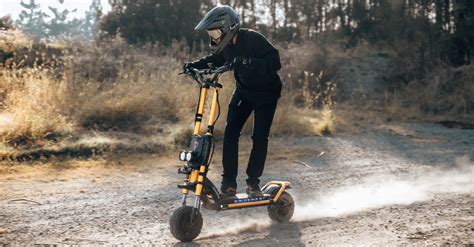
(189, 156)
(182, 156)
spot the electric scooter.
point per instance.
(186, 221)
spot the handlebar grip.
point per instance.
(194, 71)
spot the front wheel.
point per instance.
(282, 210)
(181, 226)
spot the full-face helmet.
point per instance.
(220, 23)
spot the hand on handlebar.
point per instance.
(190, 70)
(187, 68)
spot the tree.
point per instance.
(89, 26)
(58, 26)
(6, 22)
(154, 20)
(31, 19)
(462, 42)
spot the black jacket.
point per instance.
(259, 78)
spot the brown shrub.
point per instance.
(67, 89)
(6, 23)
(443, 91)
(36, 108)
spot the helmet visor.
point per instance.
(215, 34)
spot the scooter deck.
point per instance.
(244, 197)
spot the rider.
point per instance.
(256, 62)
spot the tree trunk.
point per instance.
(286, 9)
(273, 14)
(253, 19)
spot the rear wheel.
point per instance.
(181, 226)
(282, 210)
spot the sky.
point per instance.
(13, 7)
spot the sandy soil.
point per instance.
(398, 184)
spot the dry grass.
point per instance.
(35, 107)
(13, 39)
(121, 88)
(54, 96)
(446, 90)
(446, 93)
(135, 92)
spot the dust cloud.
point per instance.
(381, 191)
(254, 224)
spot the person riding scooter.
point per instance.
(258, 86)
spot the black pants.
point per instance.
(240, 109)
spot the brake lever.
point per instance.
(187, 72)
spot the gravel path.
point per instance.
(395, 184)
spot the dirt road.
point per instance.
(390, 185)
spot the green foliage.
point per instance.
(89, 25)
(31, 19)
(154, 20)
(55, 23)
(435, 29)
(6, 23)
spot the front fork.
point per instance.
(193, 177)
(197, 176)
(198, 191)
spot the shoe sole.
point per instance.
(253, 194)
(233, 193)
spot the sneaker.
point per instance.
(228, 190)
(253, 190)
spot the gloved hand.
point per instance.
(187, 67)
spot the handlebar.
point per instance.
(218, 70)
(198, 75)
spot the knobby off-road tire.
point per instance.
(180, 226)
(283, 209)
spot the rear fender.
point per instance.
(276, 188)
